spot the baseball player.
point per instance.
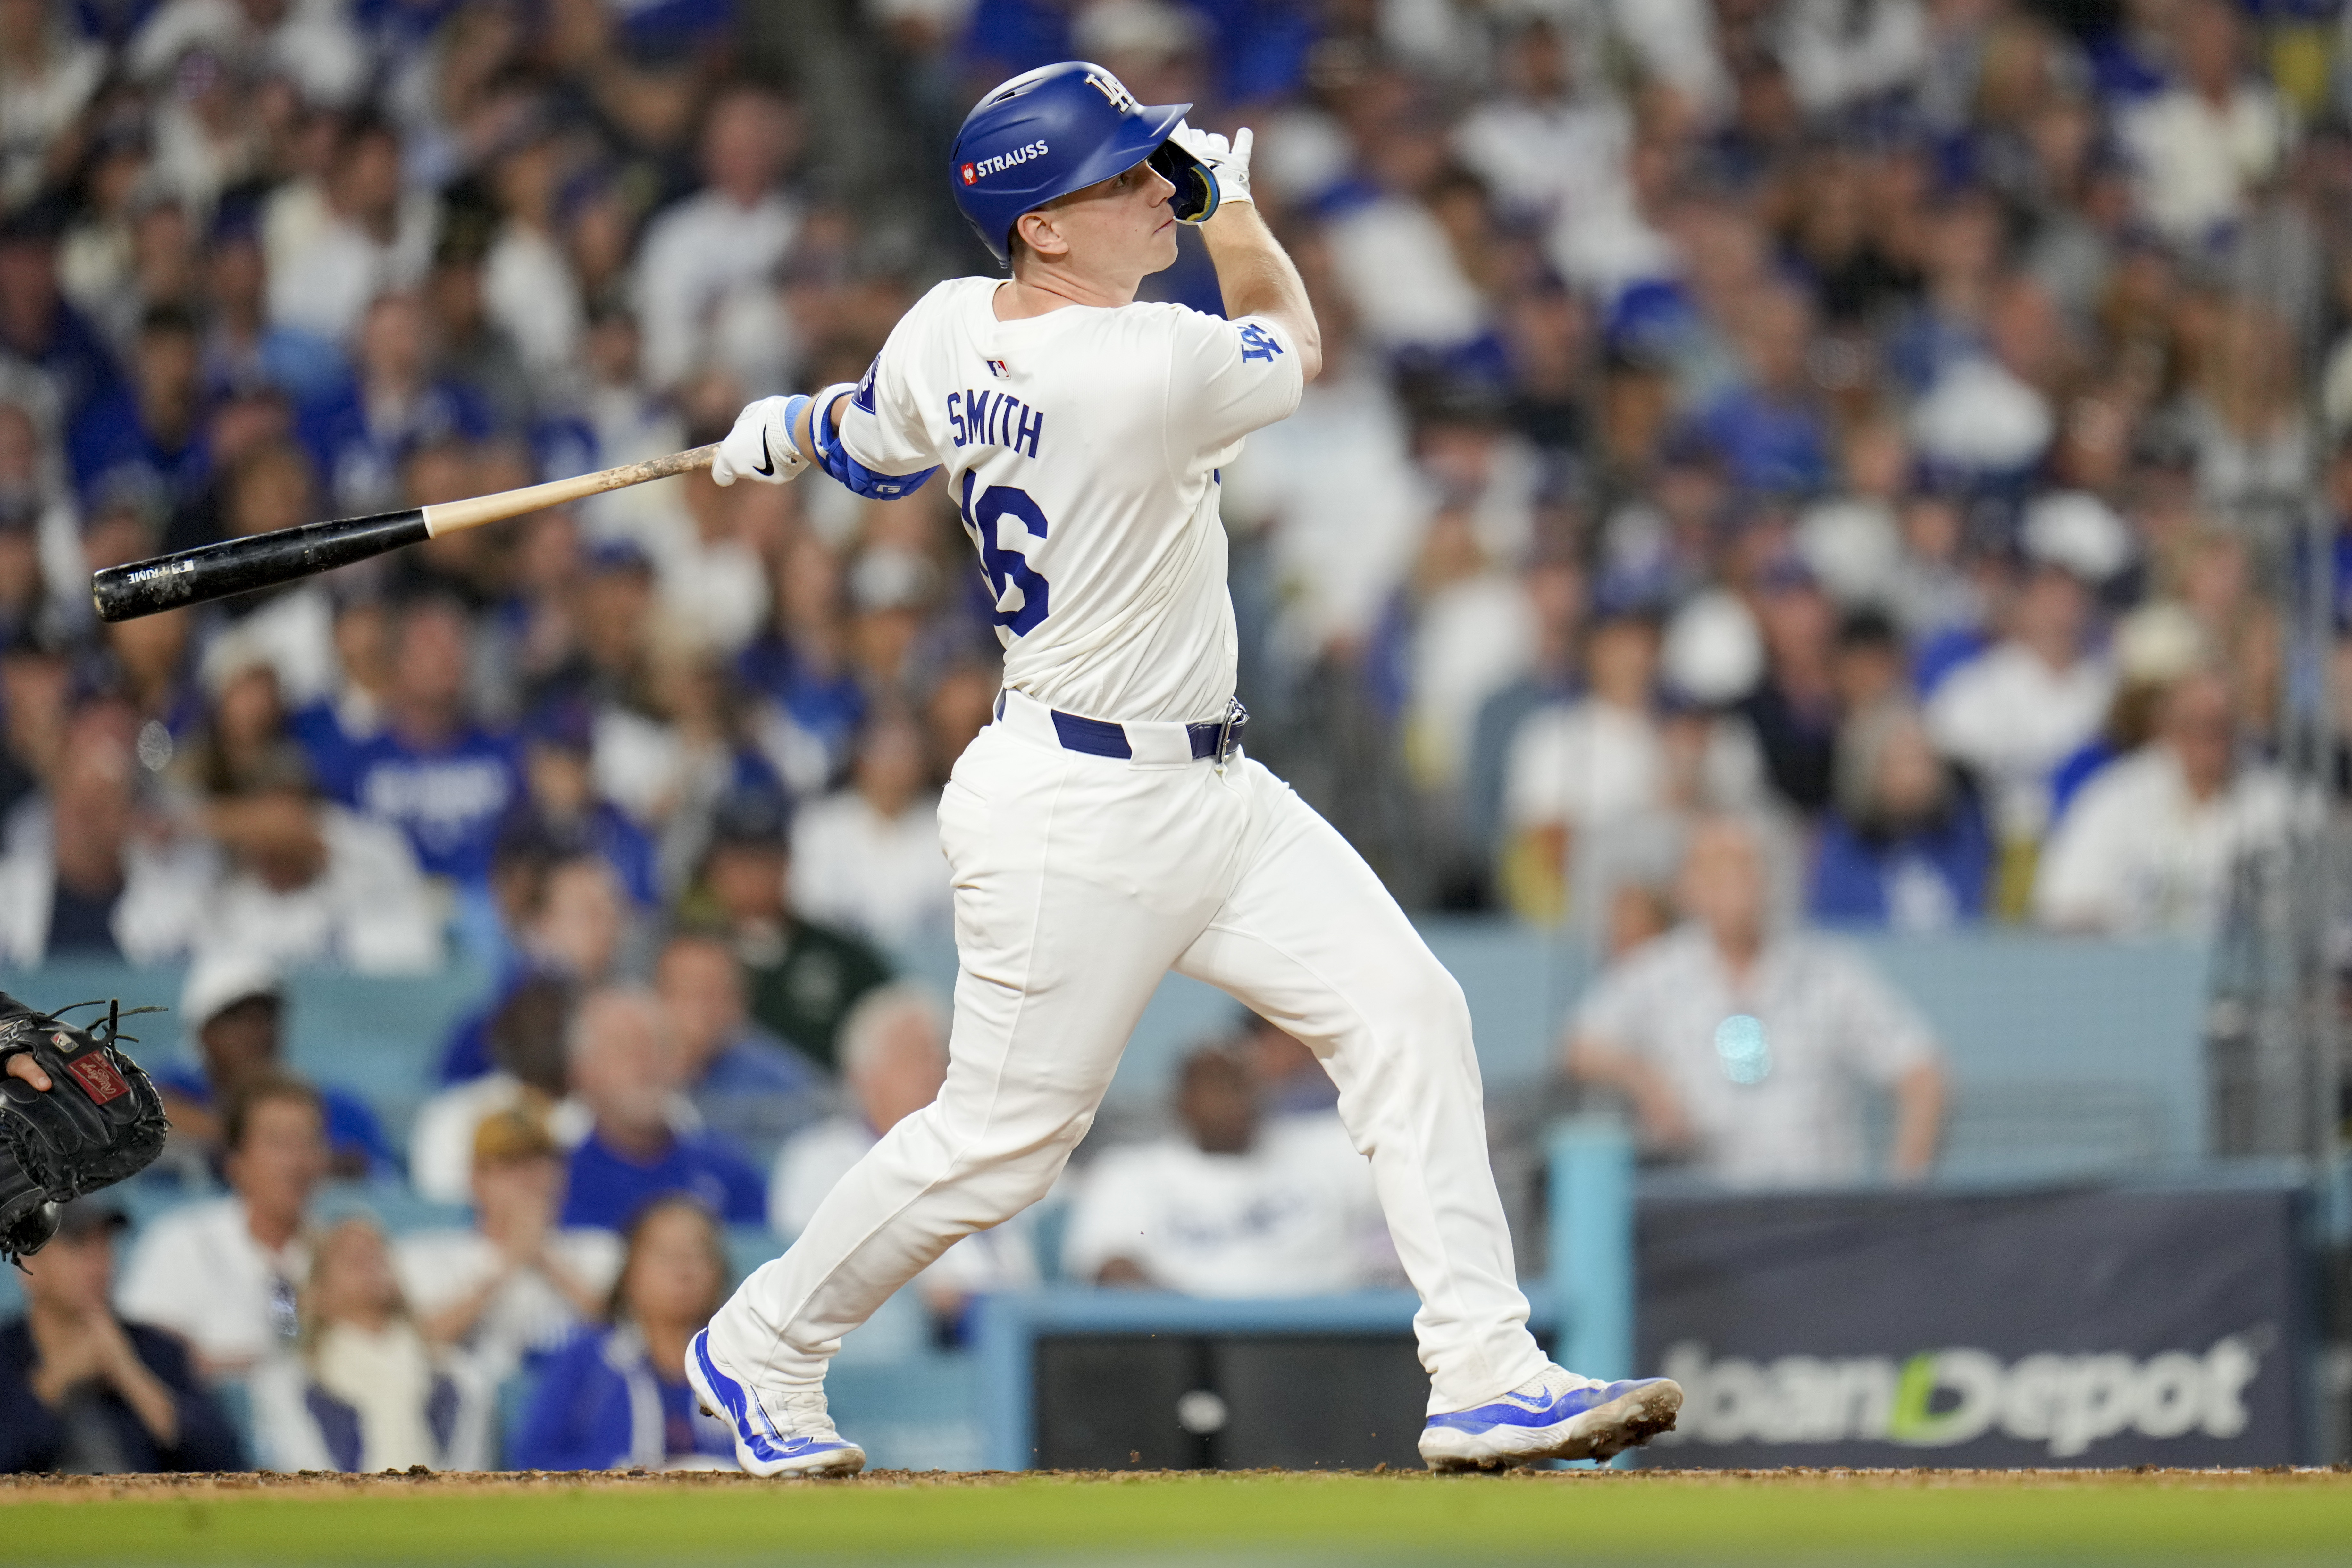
(1108, 827)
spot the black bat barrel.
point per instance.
(242, 565)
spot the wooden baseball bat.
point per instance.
(213, 571)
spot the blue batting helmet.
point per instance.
(1060, 129)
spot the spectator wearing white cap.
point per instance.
(2148, 846)
(2018, 710)
(234, 1008)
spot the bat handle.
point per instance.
(242, 565)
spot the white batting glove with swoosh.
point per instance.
(761, 445)
(1226, 161)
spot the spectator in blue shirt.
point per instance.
(563, 806)
(38, 327)
(618, 1395)
(431, 771)
(626, 1067)
(153, 429)
(234, 1008)
(1769, 430)
(1904, 847)
(362, 432)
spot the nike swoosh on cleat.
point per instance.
(767, 467)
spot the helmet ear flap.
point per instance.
(1196, 188)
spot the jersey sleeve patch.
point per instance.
(1257, 343)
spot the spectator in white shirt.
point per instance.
(2016, 711)
(1741, 1049)
(867, 858)
(515, 1284)
(311, 883)
(222, 1274)
(2148, 846)
(1542, 147)
(894, 1058)
(1576, 767)
(1232, 1206)
(376, 237)
(729, 236)
(79, 876)
(2200, 145)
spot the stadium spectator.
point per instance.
(77, 877)
(617, 1397)
(2148, 846)
(1579, 766)
(149, 434)
(748, 1087)
(626, 1070)
(894, 1059)
(563, 805)
(523, 1038)
(2014, 713)
(726, 238)
(515, 1285)
(84, 1391)
(2211, 136)
(805, 976)
(431, 772)
(575, 922)
(366, 235)
(308, 882)
(363, 1389)
(223, 1274)
(1778, 1105)
(867, 859)
(1232, 1206)
(234, 1009)
(1905, 846)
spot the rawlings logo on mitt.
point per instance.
(99, 1121)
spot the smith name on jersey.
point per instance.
(1082, 448)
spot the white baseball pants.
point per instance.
(1079, 881)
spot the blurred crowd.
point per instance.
(1877, 460)
(1900, 420)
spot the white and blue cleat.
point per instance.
(1556, 1414)
(802, 1443)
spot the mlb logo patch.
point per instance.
(997, 367)
(970, 175)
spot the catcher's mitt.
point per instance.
(99, 1121)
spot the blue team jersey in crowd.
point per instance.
(448, 800)
(606, 1188)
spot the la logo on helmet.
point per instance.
(1111, 87)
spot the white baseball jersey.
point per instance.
(1083, 447)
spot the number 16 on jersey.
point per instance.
(1005, 567)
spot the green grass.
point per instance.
(1601, 1517)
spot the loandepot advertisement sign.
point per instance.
(2077, 1328)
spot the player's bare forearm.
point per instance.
(1257, 278)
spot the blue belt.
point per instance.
(1100, 737)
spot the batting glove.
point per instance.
(1220, 167)
(761, 445)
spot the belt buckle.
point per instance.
(1234, 714)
